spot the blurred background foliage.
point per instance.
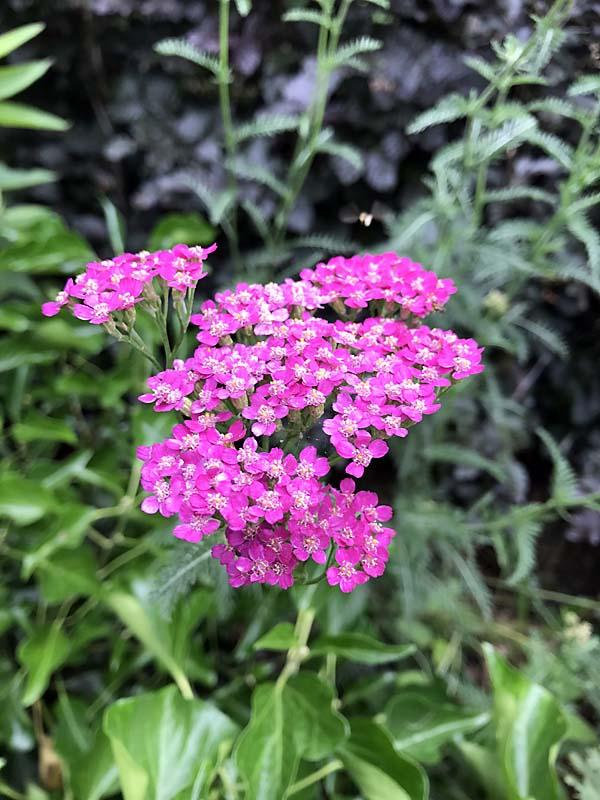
(271, 129)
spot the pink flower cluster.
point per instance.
(273, 365)
(118, 284)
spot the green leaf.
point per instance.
(15, 79)
(41, 244)
(342, 150)
(281, 637)
(175, 229)
(36, 428)
(154, 633)
(484, 763)
(13, 179)
(307, 15)
(421, 724)
(66, 531)
(377, 769)
(164, 744)
(288, 723)
(183, 49)
(564, 480)
(68, 574)
(318, 729)
(581, 228)
(115, 225)
(508, 136)
(14, 38)
(347, 54)
(529, 729)
(257, 174)
(185, 564)
(454, 454)
(87, 756)
(17, 115)
(362, 648)
(482, 67)
(266, 125)
(555, 147)
(23, 501)
(41, 654)
(585, 84)
(244, 7)
(449, 109)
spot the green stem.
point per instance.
(315, 777)
(228, 129)
(305, 150)
(300, 652)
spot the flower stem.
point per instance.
(228, 129)
(315, 777)
(299, 652)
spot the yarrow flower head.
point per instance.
(273, 371)
(120, 283)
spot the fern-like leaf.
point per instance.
(556, 106)
(525, 534)
(184, 566)
(507, 137)
(564, 481)
(253, 172)
(551, 339)
(519, 193)
(482, 67)
(344, 151)
(348, 54)
(325, 242)
(555, 147)
(580, 227)
(454, 454)
(266, 125)
(307, 15)
(449, 109)
(585, 84)
(183, 49)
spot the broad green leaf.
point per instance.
(181, 229)
(164, 744)
(66, 531)
(41, 243)
(530, 726)
(266, 757)
(484, 763)
(362, 648)
(23, 501)
(17, 115)
(89, 766)
(15, 79)
(14, 38)
(41, 654)
(154, 633)
(378, 769)
(13, 179)
(421, 725)
(318, 729)
(67, 574)
(281, 637)
(288, 723)
(37, 428)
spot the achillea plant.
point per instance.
(342, 350)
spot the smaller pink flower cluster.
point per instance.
(120, 283)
